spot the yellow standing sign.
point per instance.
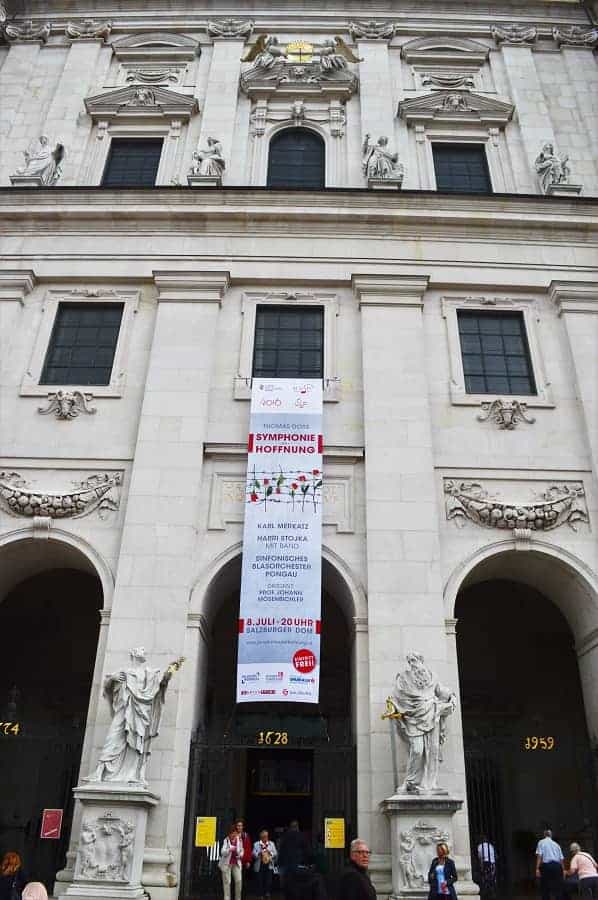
(205, 831)
(334, 833)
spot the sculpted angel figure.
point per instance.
(421, 706)
(137, 697)
(378, 161)
(552, 169)
(209, 161)
(334, 54)
(43, 161)
(265, 52)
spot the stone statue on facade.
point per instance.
(136, 696)
(378, 162)
(551, 169)
(419, 708)
(42, 161)
(334, 54)
(265, 52)
(209, 162)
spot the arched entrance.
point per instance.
(529, 760)
(50, 597)
(297, 159)
(270, 762)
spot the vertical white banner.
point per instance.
(281, 582)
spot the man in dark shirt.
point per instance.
(293, 860)
(355, 882)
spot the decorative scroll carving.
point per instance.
(68, 404)
(89, 28)
(576, 36)
(230, 28)
(416, 849)
(106, 848)
(514, 34)
(95, 492)
(559, 504)
(28, 31)
(505, 413)
(152, 75)
(371, 30)
(447, 80)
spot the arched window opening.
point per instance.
(297, 160)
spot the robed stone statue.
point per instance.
(136, 696)
(419, 707)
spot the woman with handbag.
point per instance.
(231, 863)
(442, 874)
(12, 877)
(264, 855)
(583, 868)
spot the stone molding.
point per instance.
(156, 46)
(141, 102)
(98, 491)
(372, 30)
(28, 31)
(230, 29)
(390, 290)
(574, 296)
(559, 504)
(191, 287)
(456, 106)
(15, 284)
(514, 34)
(199, 621)
(88, 30)
(444, 51)
(576, 36)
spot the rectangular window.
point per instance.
(461, 168)
(132, 162)
(82, 344)
(289, 342)
(495, 352)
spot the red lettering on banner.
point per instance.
(320, 444)
(250, 442)
(318, 627)
(241, 626)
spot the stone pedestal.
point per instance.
(26, 181)
(204, 181)
(417, 823)
(111, 841)
(563, 190)
(385, 184)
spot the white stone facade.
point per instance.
(390, 269)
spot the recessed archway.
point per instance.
(297, 159)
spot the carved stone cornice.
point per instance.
(88, 30)
(372, 30)
(191, 287)
(230, 29)
(28, 31)
(390, 290)
(445, 51)
(558, 504)
(156, 46)
(95, 492)
(138, 102)
(576, 36)
(514, 34)
(466, 107)
(574, 296)
(299, 79)
(15, 284)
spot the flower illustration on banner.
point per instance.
(284, 487)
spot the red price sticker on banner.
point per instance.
(51, 824)
(304, 661)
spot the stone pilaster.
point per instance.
(220, 110)
(15, 284)
(16, 132)
(375, 94)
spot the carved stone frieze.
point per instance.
(514, 34)
(68, 404)
(576, 36)
(164, 75)
(156, 47)
(445, 51)
(28, 31)
(371, 30)
(106, 848)
(230, 28)
(416, 850)
(505, 413)
(559, 504)
(447, 80)
(88, 29)
(98, 491)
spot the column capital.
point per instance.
(15, 284)
(390, 290)
(574, 296)
(191, 287)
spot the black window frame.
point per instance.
(444, 148)
(503, 342)
(274, 180)
(117, 143)
(69, 343)
(265, 345)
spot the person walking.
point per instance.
(550, 867)
(231, 863)
(247, 855)
(487, 863)
(264, 856)
(12, 877)
(583, 865)
(355, 881)
(442, 874)
(293, 860)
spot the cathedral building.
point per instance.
(396, 200)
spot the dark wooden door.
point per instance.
(296, 160)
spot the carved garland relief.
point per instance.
(95, 492)
(558, 504)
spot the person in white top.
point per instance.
(231, 863)
(584, 866)
(264, 855)
(550, 867)
(487, 861)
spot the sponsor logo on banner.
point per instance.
(280, 614)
